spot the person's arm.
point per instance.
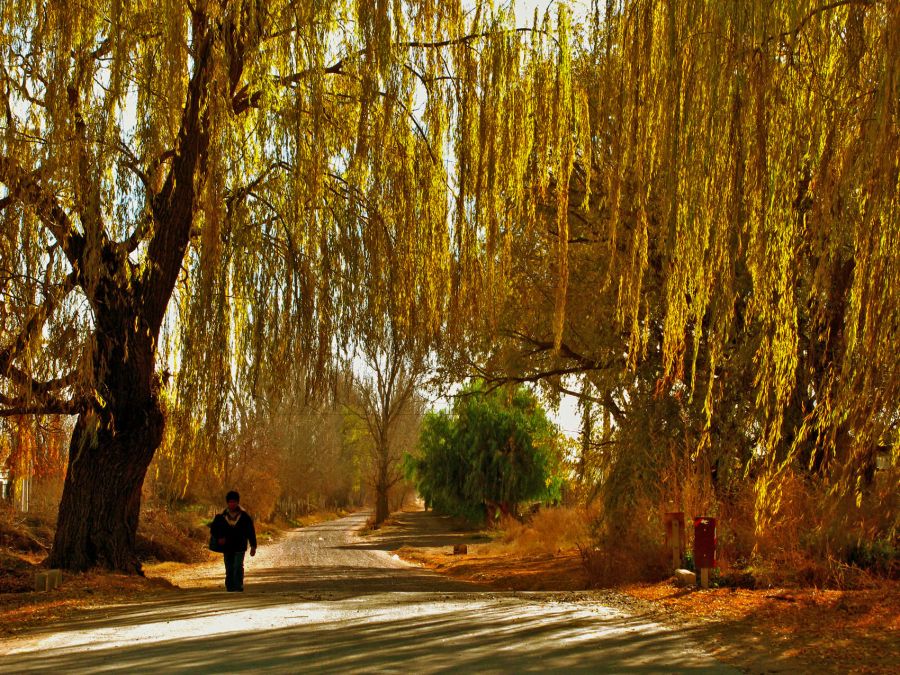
(252, 536)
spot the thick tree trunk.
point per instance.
(100, 507)
(112, 445)
(118, 433)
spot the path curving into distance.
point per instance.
(322, 599)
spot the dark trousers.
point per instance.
(234, 570)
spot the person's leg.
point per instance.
(238, 576)
(229, 570)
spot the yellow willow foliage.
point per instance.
(369, 164)
(366, 165)
(760, 140)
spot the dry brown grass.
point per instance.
(24, 533)
(807, 630)
(165, 536)
(549, 531)
(24, 543)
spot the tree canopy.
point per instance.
(285, 170)
(705, 193)
(732, 245)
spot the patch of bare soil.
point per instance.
(773, 630)
(548, 572)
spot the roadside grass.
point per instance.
(24, 543)
(549, 531)
(179, 536)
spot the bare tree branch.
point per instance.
(133, 164)
(825, 8)
(23, 186)
(48, 406)
(33, 326)
(38, 387)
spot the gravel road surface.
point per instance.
(326, 600)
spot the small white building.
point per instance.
(19, 498)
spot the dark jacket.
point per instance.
(236, 536)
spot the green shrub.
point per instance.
(493, 451)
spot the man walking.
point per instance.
(233, 530)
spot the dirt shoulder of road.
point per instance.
(79, 593)
(763, 630)
(22, 609)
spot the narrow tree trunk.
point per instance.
(382, 487)
(381, 504)
(382, 483)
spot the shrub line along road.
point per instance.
(324, 599)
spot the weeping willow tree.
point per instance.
(293, 173)
(733, 237)
(285, 171)
(762, 146)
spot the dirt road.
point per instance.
(324, 599)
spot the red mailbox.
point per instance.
(704, 542)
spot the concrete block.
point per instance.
(685, 578)
(47, 580)
(40, 581)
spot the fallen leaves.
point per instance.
(541, 572)
(21, 611)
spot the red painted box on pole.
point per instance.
(704, 542)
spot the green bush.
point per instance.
(491, 452)
(880, 557)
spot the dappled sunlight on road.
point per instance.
(393, 631)
(323, 599)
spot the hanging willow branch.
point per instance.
(726, 187)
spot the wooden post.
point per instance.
(675, 539)
(676, 548)
(704, 577)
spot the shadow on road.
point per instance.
(420, 529)
(429, 637)
(368, 613)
